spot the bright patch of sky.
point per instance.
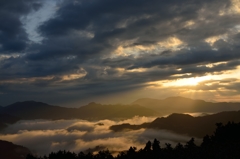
(36, 18)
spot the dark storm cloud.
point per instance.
(190, 61)
(202, 53)
(113, 22)
(13, 37)
(101, 14)
(82, 37)
(14, 68)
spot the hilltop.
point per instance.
(185, 124)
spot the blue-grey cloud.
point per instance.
(13, 37)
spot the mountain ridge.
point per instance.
(180, 104)
(185, 124)
(94, 111)
(29, 110)
(37, 110)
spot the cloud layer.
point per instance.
(43, 137)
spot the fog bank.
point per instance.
(44, 136)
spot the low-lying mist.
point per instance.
(45, 136)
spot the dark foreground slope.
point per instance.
(185, 124)
(37, 110)
(183, 105)
(9, 150)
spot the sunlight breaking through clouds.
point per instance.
(192, 81)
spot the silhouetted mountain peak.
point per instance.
(25, 106)
(177, 115)
(93, 104)
(144, 100)
(178, 98)
(28, 103)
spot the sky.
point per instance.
(72, 52)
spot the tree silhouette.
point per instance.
(104, 155)
(156, 145)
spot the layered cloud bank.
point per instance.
(43, 137)
(63, 51)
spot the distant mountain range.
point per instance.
(37, 110)
(185, 124)
(29, 110)
(183, 105)
(178, 123)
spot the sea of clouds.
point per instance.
(45, 136)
